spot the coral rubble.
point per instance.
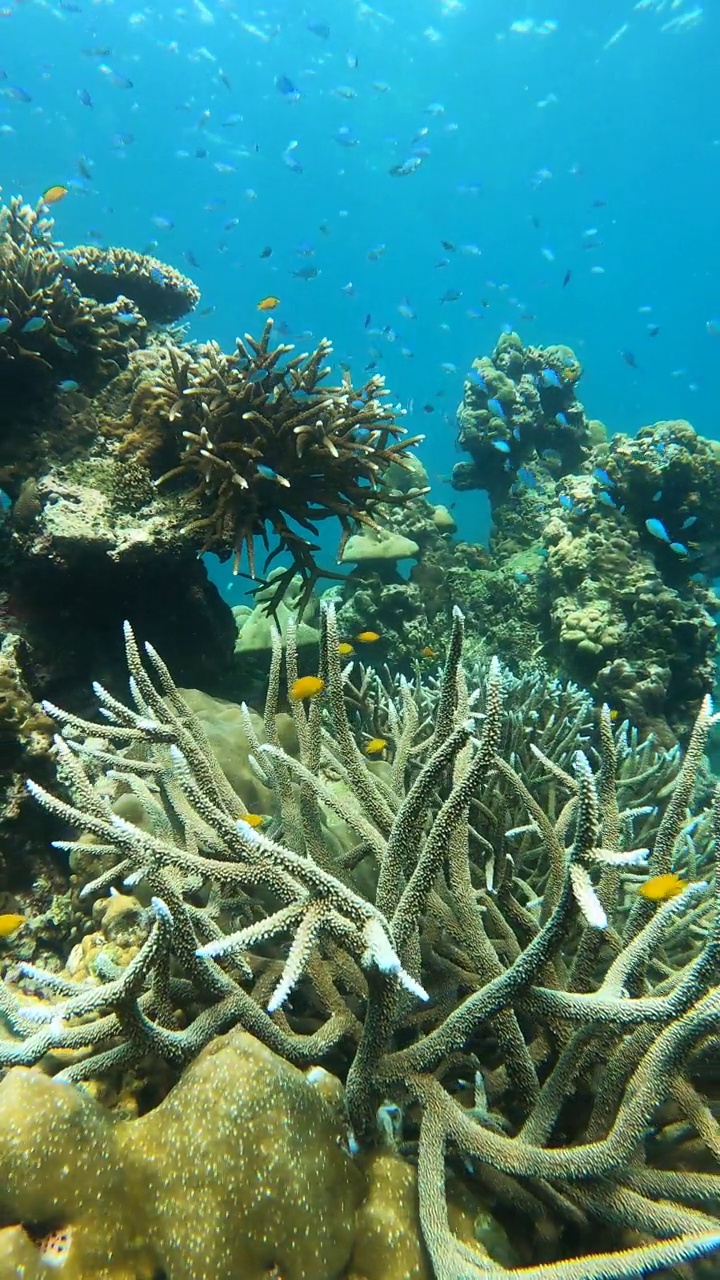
(476, 962)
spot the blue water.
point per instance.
(583, 139)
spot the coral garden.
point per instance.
(381, 939)
(466, 954)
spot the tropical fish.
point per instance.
(10, 922)
(368, 637)
(306, 687)
(68, 384)
(495, 407)
(254, 819)
(345, 649)
(5, 324)
(269, 473)
(549, 378)
(603, 477)
(375, 746)
(657, 529)
(269, 303)
(34, 324)
(53, 194)
(662, 888)
(502, 446)
(428, 652)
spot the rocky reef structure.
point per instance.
(602, 551)
(126, 453)
(512, 965)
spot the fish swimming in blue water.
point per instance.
(657, 529)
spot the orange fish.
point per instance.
(428, 652)
(368, 637)
(269, 303)
(375, 746)
(9, 923)
(306, 687)
(54, 194)
(662, 888)
(253, 819)
(345, 649)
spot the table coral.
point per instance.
(162, 294)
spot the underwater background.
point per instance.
(563, 182)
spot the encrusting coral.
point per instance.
(529, 1017)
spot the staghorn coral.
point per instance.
(532, 1019)
(266, 444)
(162, 294)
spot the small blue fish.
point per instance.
(268, 473)
(602, 477)
(657, 529)
(516, 433)
(686, 524)
(657, 495)
(34, 325)
(361, 434)
(679, 548)
(5, 324)
(566, 501)
(526, 476)
(495, 407)
(476, 379)
(68, 384)
(549, 378)
(285, 86)
(258, 375)
(606, 498)
(127, 318)
(562, 419)
(64, 345)
(156, 275)
(521, 577)
(502, 446)
(357, 404)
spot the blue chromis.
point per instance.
(606, 498)
(495, 407)
(68, 384)
(502, 446)
(657, 529)
(5, 324)
(268, 473)
(549, 378)
(34, 325)
(602, 477)
(680, 549)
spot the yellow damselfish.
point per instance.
(9, 923)
(368, 637)
(254, 819)
(662, 888)
(375, 746)
(345, 649)
(306, 687)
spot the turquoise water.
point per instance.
(569, 158)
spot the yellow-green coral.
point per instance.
(241, 1173)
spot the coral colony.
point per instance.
(414, 972)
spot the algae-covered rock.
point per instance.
(373, 546)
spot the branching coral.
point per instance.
(267, 445)
(162, 293)
(49, 332)
(533, 1020)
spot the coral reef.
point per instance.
(267, 444)
(477, 965)
(161, 293)
(241, 1172)
(53, 339)
(602, 552)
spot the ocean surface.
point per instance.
(407, 180)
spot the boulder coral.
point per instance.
(243, 1172)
